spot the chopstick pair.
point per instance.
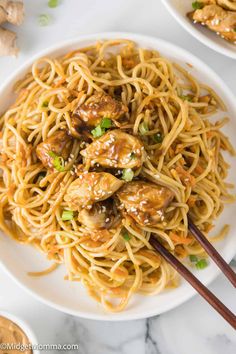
(196, 284)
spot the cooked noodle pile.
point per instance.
(170, 143)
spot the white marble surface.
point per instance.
(191, 328)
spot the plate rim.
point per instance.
(120, 316)
(208, 42)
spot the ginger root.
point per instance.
(8, 42)
(12, 12)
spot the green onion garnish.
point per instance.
(44, 19)
(193, 258)
(52, 3)
(143, 128)
(233, 263)
(132, 155)
(58, 161)
(45, 104)
(201, 264)
(127, 174)
(126, 235)
(158, 137)
(67, 215)
(106, 123)
(98, 131)
(196, 5)
(235, 29)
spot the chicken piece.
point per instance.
(91, 187)
(144, 201)
(217, 19)
(99, 217)
(100, 106)
(60, 143)
(79, 129)
(227, 4)
(115, 149)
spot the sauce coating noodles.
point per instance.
(167, 111)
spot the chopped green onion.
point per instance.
(127, 174)
(193, 258)
(98, 131)
(132, 155)
(106, 123)
(196, 5)
(143, 128)
(58, 161)
(201, 264)
(52, 3)
(67, 215)
(233, 263)
(45, 104)
(186, 98)
(44, 19)
(126, 235)
(235, 29)
(158, 137)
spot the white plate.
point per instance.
(179, 8)
(71, 297)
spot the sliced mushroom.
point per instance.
(60, 143)
(90, 188)
(115, 149)
(100, 106)
(217, 19)
(144, 201)
(100, 216)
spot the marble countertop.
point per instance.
(191, 328)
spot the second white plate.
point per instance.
(179, 9)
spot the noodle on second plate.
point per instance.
(166, 112)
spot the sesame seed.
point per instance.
(133, 209)
(107, 219)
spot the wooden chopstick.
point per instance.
(196, 284)
(215, 256)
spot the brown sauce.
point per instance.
(11, 333)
